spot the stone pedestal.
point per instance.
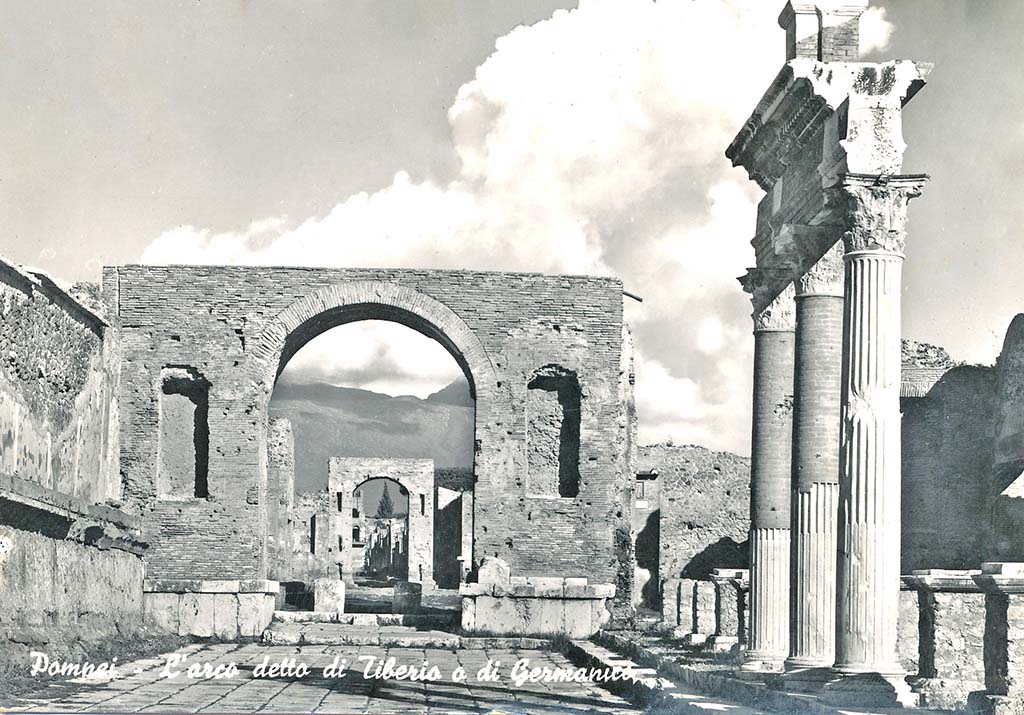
(729, 626)
(329, 595)
(1003, 586)
(817, 392)
(770, 471)
(868, 567)
(228, 610)
(670, 614)
(952, 628)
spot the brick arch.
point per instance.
(344, 303)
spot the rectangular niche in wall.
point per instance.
(553, 432)
(184, 434)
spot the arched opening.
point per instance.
(362, 395)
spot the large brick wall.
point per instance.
(231, 325)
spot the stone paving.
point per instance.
(142, 686)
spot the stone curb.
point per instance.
(414, 639)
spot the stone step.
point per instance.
(371, 620)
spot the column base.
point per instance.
(758, 664)
(945, 693)
(868, 690)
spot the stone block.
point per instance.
(520, 580)
(258, 585)
(252, 617)
(329, 595)
(493, 570)
(196, 615)
(577, 619)
(218, 586)
(408, 597)
(162, 610)
(571, 581)
(225, 616)
(603, 590)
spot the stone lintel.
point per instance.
(943, 580)
(805, 94)
(873, 209)
(729, 574)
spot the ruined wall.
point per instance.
(946, 460)
(704, 515)
(58, 376)
(1007, 474)
(71, 566)
(517, 325)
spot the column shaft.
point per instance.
(770, 470)
(817, 394)
(868, 567)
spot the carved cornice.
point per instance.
(802, 96)
(873, 209)
(825, 277)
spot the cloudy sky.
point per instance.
(487, 134)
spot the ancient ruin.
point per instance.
(868, 553)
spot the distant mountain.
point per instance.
(330, 421)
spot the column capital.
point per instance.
(872, 209)
(771, 294)
(826, 276)
(778, 315)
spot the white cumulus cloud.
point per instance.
(590, 142)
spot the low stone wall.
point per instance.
(69, 571)
(226, 610)
(519, 605)
(713, 613)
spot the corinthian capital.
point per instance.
(873, 209)
(826, 276)
(780, 314)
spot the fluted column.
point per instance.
(816, 398)
(770, 468)
(868, 566)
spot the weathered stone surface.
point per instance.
(162, 611)
(225, 616)
(252, 614)
(329, 595)
(196, 615)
